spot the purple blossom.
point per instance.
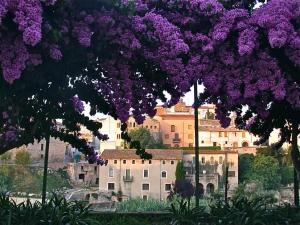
(55, 52)
(77, 104)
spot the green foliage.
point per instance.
(145, 138)
(22, 158)
(140, 205)
(265, 170)
(245, 163)
(5, 156)
(287, 175)
(271, 151)
(212, 148)
(180, 173)
(56, 211)
(239, 211)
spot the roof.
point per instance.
(228, 129)
(157, 154)
(209, 152)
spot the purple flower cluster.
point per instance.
(94, 157)
(77, 104)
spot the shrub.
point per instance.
(56, 211)
(140, 205)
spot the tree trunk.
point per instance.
(197, 172)
(296, 161)
(226, 184)
(45, 170)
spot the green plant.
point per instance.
(56, 211)
(140, 205)
(180, 173)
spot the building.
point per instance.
(131, 177)
(175, 127)
(84, 174)
(128, 176)
(212, 169)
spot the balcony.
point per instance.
(127, 178)
(176, 140)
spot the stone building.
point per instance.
(128, 176)
(131, 177)
(84, 174)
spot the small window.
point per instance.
(111, 186)
(42, 147)
(191, 145)
(97, 181)
(145, 187)
(143, 161)
(150, 161)
(243, 134)
(168, 187)
(115, 161)
(95, 170)
(220, 134)
(154, 127)
(190, 127)
(172, 128)
(225, 134)
(150, 127)
(118, 125)
(145, 197)
(81, 176)
(172, 162)
(124, 161)
(81, 168)
(111, 172)
(42, 156)
(190, 136)
(147, 126)
(202, 142)
(163, 162)
(133, 161)
(127, 173)
(163, 174)
(203, 160)
(231, 173)
(118, 136)
(214, 144)
(146, 173)
(235, 134)
(226, 142)
(166, 136)
(133, 124)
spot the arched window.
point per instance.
(210, 189)
(164, 174)
(245, 144)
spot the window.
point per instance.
(191, 145)
(172, 162)
(166, 136)
(176, 136)
(226, 142)
(133, 124)
(150, 127)
(147, 126)
(220, 134)
(118, 136)
(220, 159)
(127, 173)
(212, 160)
(154, 127)
(203, 160)
(163, 174)
(202, 142)
(111, 186)
(150, 162)
(145, 197)
(81, 168)
(115, 161)
(42, 156)
(163, 162)
(167, 187)
(225, 134)
(81, 176)
(124, 161)
(133, 161)
(95, 170)
(146, 173)
(42, 147)
(145, 187)
(235, 134)
(190, 127)
(97, 181)
(214, 144)
(190, 136)
(243, 134)
(231, 173)
(111, 172)
(172, 128)
(143, 161)
(118, 125)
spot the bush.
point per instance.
(56, 211)
(140, 205)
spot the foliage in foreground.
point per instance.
(240, 211)
(140, 205)
(56, 211)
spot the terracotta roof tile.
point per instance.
(157, 154)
